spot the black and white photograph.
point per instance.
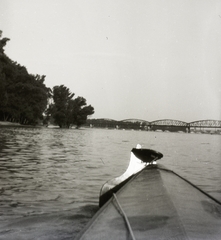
(110, 119)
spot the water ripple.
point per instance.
(51, 178)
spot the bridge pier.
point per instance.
(188, 128)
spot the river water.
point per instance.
(50, 178)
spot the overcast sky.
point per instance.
(145, 59)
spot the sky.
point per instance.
(142, 59)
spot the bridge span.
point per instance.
(162, 124)
(171, 124)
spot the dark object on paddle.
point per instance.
(147, 155)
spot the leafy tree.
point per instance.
(3, 94)
(61, 97)
(80, 111)
(23, 96)
(67, 111)
(3, 42)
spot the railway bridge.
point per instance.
(169, 125)
(177, 125)
(163, 124)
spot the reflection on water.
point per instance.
(50, 178)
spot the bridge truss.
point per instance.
(168, 122)
(178, 123)
(163, 124)
(206, 124)
(132, 120)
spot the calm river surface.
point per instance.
(50, 178)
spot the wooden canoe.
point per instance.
(155, 203)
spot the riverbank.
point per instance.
(12, 124)
(6, 123)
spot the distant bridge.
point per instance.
(172, 122)
(176, 125)
(163, 124)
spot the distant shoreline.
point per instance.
(11, 124)
(6, 123)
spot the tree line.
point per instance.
(25, 99)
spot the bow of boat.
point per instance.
(156, 203)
